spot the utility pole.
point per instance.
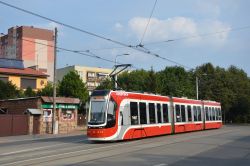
(54, 119)
(197, 88)
(197, 84)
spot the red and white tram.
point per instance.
(120, 115)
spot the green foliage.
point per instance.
(8, 90)
(175, 81)
(73, 86)
(106, 84)
(229, 86)
(46, 91)
(29, 92)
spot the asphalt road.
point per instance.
(227, 146)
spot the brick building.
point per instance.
(40, 110)
(33, 46)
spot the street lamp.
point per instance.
(197, 85)
(115, 65)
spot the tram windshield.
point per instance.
(97, 112)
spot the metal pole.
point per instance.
(54, 87)
(197, 88)
(115, 75)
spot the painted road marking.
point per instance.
(68, 153)
(162, 164)
(43, 147)
(116, 145)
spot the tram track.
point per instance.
(97, 153)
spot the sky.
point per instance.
(184, 23)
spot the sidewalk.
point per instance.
(9, 139)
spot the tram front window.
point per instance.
(97, 113)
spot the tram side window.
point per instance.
(143, 113)
(183, 113)
(178, 113)
(207, 116)
(195, 113)
(210, 114)
(111, 113)
(159, 113)
(199, 113)
(219, 111)
(216, 113)
(134, 113)
(165, 113)
(151, 107)
(213, 113)
(189, 110)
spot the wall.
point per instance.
(19, 106)
(15, 80)
(41, 83)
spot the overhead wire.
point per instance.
(146, 28)
(89, 33)
(201, 35)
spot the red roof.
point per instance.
(25, 71)
(65, 100)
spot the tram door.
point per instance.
(143, 117)
(135, 120)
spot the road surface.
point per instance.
(228, 146)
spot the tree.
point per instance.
(8, 90)
(29, 92)
(230, 87)
(73, 86)
(47, 90)
(175, 81)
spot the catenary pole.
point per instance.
(54, 119)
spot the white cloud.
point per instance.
(118, 26)
(178, 27)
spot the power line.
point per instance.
(201, 35)
(148, 22)
(89, 33)
(63, 24)
(87, 52)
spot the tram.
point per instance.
(121, 115)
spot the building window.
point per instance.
(67, 114)
(91, 74)
(27, 82)
(101, 76)
(4, 79)
(47, 115)
(91, 83)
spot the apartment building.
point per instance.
(33, 46)
(92, 76)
